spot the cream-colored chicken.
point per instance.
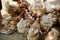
(52, 35)
(33, 33)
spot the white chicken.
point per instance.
(20, 26)
(49, 6)
(47, 21)
(23, 25)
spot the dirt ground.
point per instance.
(14, 36)
(17, 36)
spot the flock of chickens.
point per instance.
(39, 20)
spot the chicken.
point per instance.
(12, 9)
(23, 25)
(49, 6)
(9, 23)
(38, 7)
(5, 20)
(52, 35)
(33, 33)
(47, 21)
(20, 26)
